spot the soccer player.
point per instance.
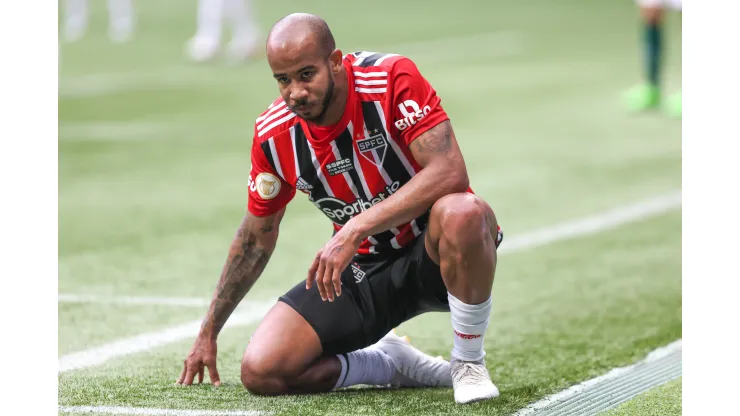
(211, 15)
(649, 94)
(120, 18)
(365, 137)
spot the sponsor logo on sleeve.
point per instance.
(412, 114)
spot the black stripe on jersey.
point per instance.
(306, 169)
(392, 164)
(268, 154)
(370, 60)
(345, 146)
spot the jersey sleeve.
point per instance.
(415, 105)
(268, 192)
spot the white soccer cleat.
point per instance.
(243, 47)
(471, 382)
(202, 49)
(73, 32)
(413, 367)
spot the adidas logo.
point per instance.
(302, 185)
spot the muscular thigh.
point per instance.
(337, 326)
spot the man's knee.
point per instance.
(262, 375)
(465, 220)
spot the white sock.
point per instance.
(242, 18)
(469, 323)
(210, 19)
(121, 17)
(75, 17)
(366, 366)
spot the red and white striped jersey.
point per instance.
(361, 160)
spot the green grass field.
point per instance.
(661, 401)
(153, 164)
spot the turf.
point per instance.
(154, 155)
(661, 401)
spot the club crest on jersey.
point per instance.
(373, 148)
(267, 185)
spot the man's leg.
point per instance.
(648, 94)
(284, 357)
(245, 37)
(206, 42)
(75, 19)
(461, 238)
(287, 355)
(121, 20)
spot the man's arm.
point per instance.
(443, 172)
(251, 249)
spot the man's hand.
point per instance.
(201, 356)
(331, 260)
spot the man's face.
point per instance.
(306, 82)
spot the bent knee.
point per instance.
(262, 375)
(464, 218)
(252, 375)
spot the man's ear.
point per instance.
(335, 61)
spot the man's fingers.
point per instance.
(312, 271)
(182, 374)
(320, 278)
(328, 286)
(189, 375)
(337, 279)
(213, 373)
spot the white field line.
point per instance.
(109, 131)
(150, 340)
(115, 410)
(614, 373)
(594, 223)
(564, 231)
(132, 300)
(500, 44)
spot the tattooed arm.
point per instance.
(443, 173)
(251, 249)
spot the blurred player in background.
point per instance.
(211, 15)
(649, 94)
(120, 19)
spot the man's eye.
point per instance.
(283, 80)
(306, 75)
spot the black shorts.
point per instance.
(378, 294)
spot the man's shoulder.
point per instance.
(375, 72)
(276, 119)
(376, 63)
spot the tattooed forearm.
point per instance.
(248, 256)
(435, 140)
